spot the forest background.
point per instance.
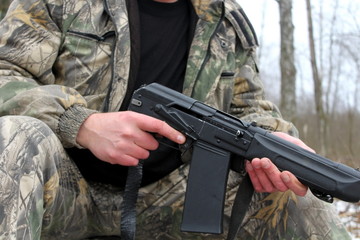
(309, 60)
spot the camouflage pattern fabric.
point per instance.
(43, 196)
(62, 60)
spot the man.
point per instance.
(67, 72)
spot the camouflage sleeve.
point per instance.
(249, 101)
(30, 38)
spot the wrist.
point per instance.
(70, 123)
(84, 132)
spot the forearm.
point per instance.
(29, 46)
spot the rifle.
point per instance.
(217, 139)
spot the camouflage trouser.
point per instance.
(43, 196)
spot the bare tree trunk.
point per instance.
(288, 70)
(317, 83)
(260, 36)
(331, 64)
(352, 111)
(333, 70)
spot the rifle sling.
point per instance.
(128, 205)
(241, 203)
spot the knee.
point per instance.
(23, 125)
(23, 132)
(28, 145)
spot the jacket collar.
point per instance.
(208, 10)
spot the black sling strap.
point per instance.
(241, 203)
(128, 206)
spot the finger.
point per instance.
(293, 183)
(146, 140)
(127, 154)
(124, 160)
(154, 125)
(293, 140)
(263, 178)
(254, 179)
(138, 152)
(129, 161)
(273, 173)
(300, 143)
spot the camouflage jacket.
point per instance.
(61, 60)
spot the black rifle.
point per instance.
(218, 140)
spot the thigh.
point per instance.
(24, 168)
(269, 216)
(42, 191)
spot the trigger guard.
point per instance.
(323, 196)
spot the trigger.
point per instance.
(186, 149)
(165, 141)
(187, 145)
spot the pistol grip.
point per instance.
(206, 187)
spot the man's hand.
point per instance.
(266, 177)
(124, 137)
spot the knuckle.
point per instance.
(125, 134)
(118, 146)
(159, 126)
(270, 171)
(126, 116)
(112, 157)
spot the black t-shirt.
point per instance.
(164, 41)
(164, 37)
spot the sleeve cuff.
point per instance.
(70, 123)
